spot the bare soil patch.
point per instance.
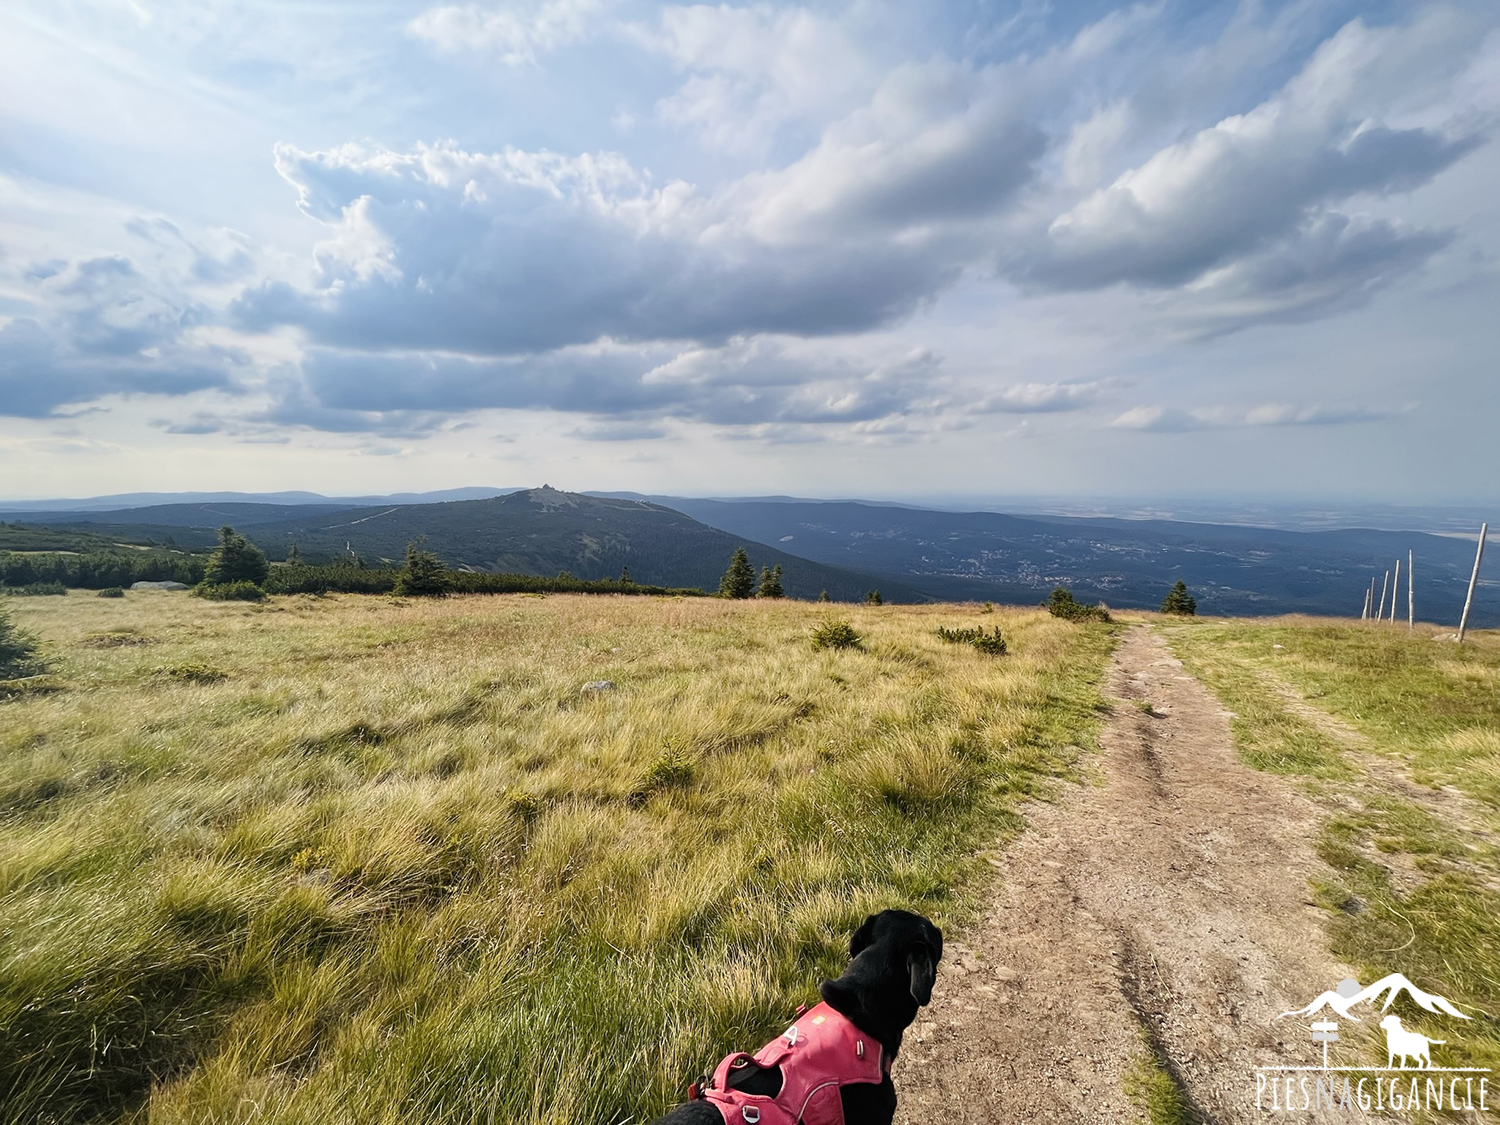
(1159, 915)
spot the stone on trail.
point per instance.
(159, 586)
(595, 686)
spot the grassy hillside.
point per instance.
(1398, 734)
(343, 859)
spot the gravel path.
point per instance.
(1160, 910)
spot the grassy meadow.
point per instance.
(347, 859)
(1409, 771)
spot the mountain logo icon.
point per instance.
(1349, 993)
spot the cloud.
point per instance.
(1167, 419)
(620, 431)
(517, 252)
(744, 383)
(753, 70)
(1040, 398)
(1253, 196)
(38, 375)
(516, 33)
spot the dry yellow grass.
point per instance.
(342, 859)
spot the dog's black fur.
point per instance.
(893, 964)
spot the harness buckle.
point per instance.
(750, 1113)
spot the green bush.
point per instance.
(1179, 601)
(38, 590)
(991, 643)
(112, 592)
(17, 650)
(229, 592)
(1061, 604)
(874, 598)
(833, 633)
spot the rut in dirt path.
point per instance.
(1159, 911)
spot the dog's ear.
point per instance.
(923, 966)
(862, 937)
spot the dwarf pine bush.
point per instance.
(989, 642)
(1061, 604)
(834, 633)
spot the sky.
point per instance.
(872, 248)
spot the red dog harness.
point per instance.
(818, 1055)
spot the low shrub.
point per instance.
(37, 590)
(229, 592)
(1061, 604)
(989, 642)
(834, 633)
(112, 592)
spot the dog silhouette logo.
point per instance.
(1406, 1044)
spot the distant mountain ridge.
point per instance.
(533, 531)
(909, 553)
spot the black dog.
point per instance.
(893, 964)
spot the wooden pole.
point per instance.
(1395, 589)
(1411, 597)
(1463, 622)
(1372, 596)
(1380, 613)
(1364, 614)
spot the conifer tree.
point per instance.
(1179, 601)
(235, 559)
(739, 579)
(294, 556)
(625, 578)
(423, 575)
(770, 583)
(823, 596)
(874, 598)
(17, 650)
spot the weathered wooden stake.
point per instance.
(1395, 590)
(1411, 597)
(1380, 613)
(1372, 595)
(1364, 614)
(1463, 622)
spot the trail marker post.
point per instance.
(1463, 622)
(1385, 585)
(1395, 589)
(1411, 597)
(1325, 1032)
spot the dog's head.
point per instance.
(1391, 1023)
(893, 964)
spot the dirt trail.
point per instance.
(1162, 908)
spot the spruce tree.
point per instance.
(823, 596)
(1179, 601)
(17, 650)
(235, 559)
(874, 598)
(293, 556)
(770, 583)
(625, 579)
(739, 579)
(423, 575)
